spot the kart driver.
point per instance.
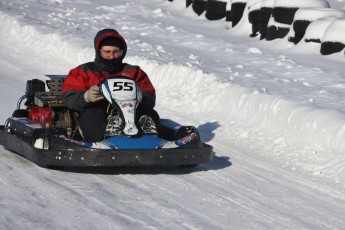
(81, 93)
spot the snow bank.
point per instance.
(24, 41)
(275, 116)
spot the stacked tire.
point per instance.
(305, 16)
(264, 16)
(188, 3)
(303, 20)
(237, 9)
(254, 16)
(215, 9)
(317, 29)
(333, 41)
(199, 6)
(283, 15)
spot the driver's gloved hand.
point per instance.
(93, 94)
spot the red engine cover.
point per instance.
(42, 115)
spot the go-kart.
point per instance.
(46, 132)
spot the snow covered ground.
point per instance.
(274, 113)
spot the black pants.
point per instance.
(93, 121)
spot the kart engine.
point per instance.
(47, 108)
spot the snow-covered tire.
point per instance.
(328, 48)
(199, 6)
(265, 14)
(284, 15)
(274, 32)
(254, 19)
(237, 10)
(333, 38)
(215, 10)
(299, 27)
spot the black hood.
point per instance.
(100, 36)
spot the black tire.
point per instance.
(255, 29)
(188, 3)
(313, 40)
(274, 32)
(300, 26)
(254, 16)
(215, 10)
(265, 15)
(254, 19)
(295, 39)
(284, 15)
(199, 6)
(237, 10)
(263, 30)
(328, 47)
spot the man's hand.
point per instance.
(93, 94)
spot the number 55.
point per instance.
(125, 86)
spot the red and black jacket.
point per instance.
(84, 76)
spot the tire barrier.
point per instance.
(303, 21)
(305, 16)
(283, 15)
